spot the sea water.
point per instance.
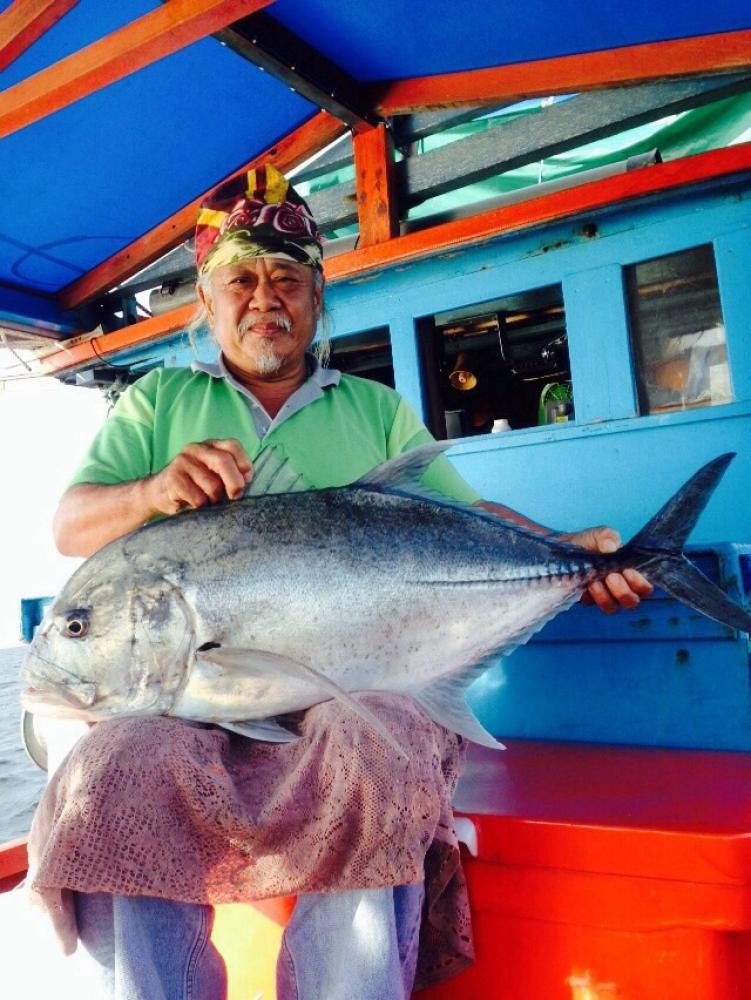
(21, 782)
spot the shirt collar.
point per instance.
(312, 389)
(323, 377)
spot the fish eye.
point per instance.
(76, 624)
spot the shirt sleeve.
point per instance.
(408, 431)
(122, 449)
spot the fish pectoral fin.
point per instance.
(261, 729)
(262, 663)
(445, 703)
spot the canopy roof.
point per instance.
(117, 118)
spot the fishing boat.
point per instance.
(539, 223)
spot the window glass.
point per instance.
(497, 366)
(367, 354)
(677, 331)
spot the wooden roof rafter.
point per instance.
(155, 35)
(24, 22)
(559, 128)
(274, 48)
(722, 52)
(554, 207)
(554, 129)
(546, 209)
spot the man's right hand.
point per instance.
(90, 515)
(204, 472)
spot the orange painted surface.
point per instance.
(374, 180)
(13, 862)
(157, 34)
(286, 154)
(566, 74)
(98, 348)
(249, 938)
(25, 21)
(579, 959)
(560, 913)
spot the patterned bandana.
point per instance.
(256, 214)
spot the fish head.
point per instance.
(115, 642)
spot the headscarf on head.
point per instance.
(256, 214)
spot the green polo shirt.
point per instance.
(351, 426)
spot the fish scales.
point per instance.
(245, 611)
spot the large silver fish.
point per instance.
(239, 613)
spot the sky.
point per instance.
(45, 428)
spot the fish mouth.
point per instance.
(55, 702)
(52, 698)
(47, 682)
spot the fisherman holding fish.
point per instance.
(173, 807)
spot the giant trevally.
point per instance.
(245, 611)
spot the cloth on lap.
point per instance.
(180, 810)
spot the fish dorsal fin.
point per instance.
(273, 473)
(403, 473)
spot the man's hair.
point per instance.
(200, 321)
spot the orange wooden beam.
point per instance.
(543, 210)
(97, 348)
(289, 152)
(377, 213)
(566, 74)
(163, 31)
(450, 236)
(24, 21)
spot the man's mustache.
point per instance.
(277, 318)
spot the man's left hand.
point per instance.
(617, 590)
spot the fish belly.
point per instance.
(401, 640)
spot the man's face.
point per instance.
(263, 312)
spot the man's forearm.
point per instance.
(90, 515)
(514, 517)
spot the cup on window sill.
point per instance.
(501, 425)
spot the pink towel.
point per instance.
(162, 807)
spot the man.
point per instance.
(187, 438)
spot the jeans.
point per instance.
(358, 945)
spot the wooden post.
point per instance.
(377, 209)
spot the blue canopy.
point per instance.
(84, 182)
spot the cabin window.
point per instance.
(677, 330)
(367, 354)
(497, 366)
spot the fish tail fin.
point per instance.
(679, 577)
(658, 549)
(673, 523)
